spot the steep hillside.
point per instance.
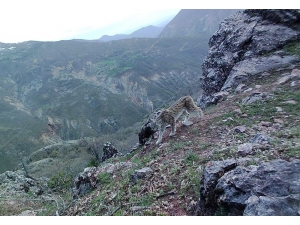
(166, 179)
(53, 92)
(57, 91)
(242, 158)
(196, 23)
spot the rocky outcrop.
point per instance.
(248, 43)
(20, 192)
(109, 151)
(88, 180)
(17, 182)
(147, 132)
(268, 189)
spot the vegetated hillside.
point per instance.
(196, 22)
(242, 158)
(58, 91)
(172, 185)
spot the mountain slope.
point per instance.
(74, 89)
(173, 187)
(196, 22)
(252, 125)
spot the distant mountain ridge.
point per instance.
(187, 23)
(145, 32)
(195, 22)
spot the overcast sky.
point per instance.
(53, 20)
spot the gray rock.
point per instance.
(109, 151)
(256, 97)
(260, 139)
(212, 172)
(273, 206)
(271, 188)
(244, 149)
(240, 88)
(85, 181)
(240, 129)
(239, 49)
(143, 173)
(242, 70)
(147, 132)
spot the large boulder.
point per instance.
(270, 188)
(241, 47)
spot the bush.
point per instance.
(60, 182)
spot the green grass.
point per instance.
(191, 157)
(293, 48)
(60, 182)
(104, 178)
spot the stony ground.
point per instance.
(177, 164)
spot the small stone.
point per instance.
(247, 90)
(220, 96)
(240, 88)
(290, 102)
(237, 111)
(240, 129)
(144, 172)
(260, 138)
(228, 119)
(295, 73)
(245, 149)
(279, 109)
(278, 121)
(265, 74)
(251, 199)
(265, 124)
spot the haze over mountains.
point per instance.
(58, 91)
(187, 23)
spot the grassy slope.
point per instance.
(179, 161)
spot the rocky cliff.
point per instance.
(247, 44)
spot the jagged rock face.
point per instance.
(241, 47)
(269, 189)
